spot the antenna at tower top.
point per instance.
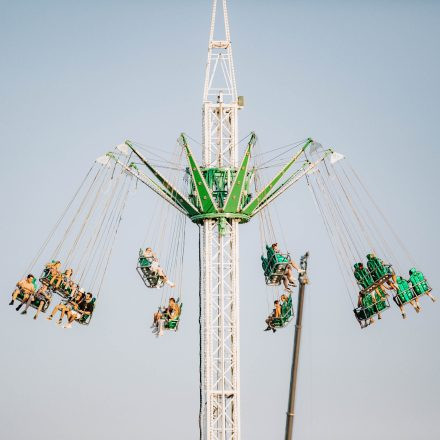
(220, 75)
(213, 36)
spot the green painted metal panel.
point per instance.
(234, 198)
(205, 198)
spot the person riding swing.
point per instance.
(164, 315)
(43, 296)
(378, 269)
(154, 266)
(276, 314)
(61, 279)
(66, 306)
(288, 278)
(84, 308)
(51, 272)
(25, 287)
(365, 280)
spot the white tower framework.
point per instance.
(219, 294)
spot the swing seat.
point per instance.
(150, 278)
(369, 308)
(173, 324)
(362, 276)
(63, 291)
(377, 269)
(286, 315)
(274, 266)
(35, 303)
(405, 292)
(85, 319)
(379, 281)
(144, 262)
(46, 277)
(421, 288)
(418, 282)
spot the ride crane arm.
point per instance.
(266, 192)
(141, 177)
(304, 170)
(167, 188)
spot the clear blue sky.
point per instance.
(77, 78)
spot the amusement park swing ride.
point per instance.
(218, 193)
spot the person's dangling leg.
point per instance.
(161, 323)
(15, 293)
(54, 311)
(289, 274)
(402, 311)
(433, 298)
(156, 318)
(28, 303)
(40, 307)
(71, 316)
(373, 297)
(268, 321)
(64, 310)
(169, 283)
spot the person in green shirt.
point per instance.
(404, 295)
(420, 285)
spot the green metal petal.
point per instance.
(204, 195)
(232, 203)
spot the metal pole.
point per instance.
(303, 280)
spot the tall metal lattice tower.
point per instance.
(219, 295)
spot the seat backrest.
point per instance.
(367, 300)
(376, 267)
(270, 253)
(418, 281)
(363, 276)
(402, 284)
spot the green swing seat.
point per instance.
(363, 276)
(286, 314)
(35, 303)
(45, 277)
(418, 282)
(380, 272)
(369, 308)
(63, 291)
(173, 324)
(274, 266)
(405, 292)
(85, 319)
(151, 279)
